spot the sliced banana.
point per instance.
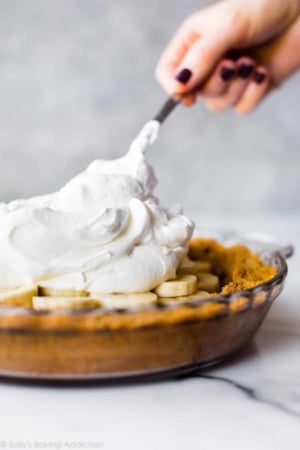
(45, 289)
(52, 303)
(208, 282)
(21, 296)
(126, 300)
(189, 266)
(182, 285)
(183, 299)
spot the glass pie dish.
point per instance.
(139, 343)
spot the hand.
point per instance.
(236, 51)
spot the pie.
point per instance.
(210, 269)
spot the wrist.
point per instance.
(265, 19)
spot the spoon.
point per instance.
(171, 103)
(166, 109)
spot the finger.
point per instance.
(189, 100)
(255, 91)
(218, 83)
(281, 56)
(236, 88)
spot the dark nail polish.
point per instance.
(245, 70)
(259, 77)
(227, 73)
(183, 76)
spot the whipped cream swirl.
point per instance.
(104, 231)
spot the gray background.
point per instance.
(77, 83)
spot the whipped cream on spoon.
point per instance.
(104, 231)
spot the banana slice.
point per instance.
(193, 267)
(21, 296)
(46, 290)
(52, 303)
(126, 300)
(183, 299)
(182, 285)
(208, 282)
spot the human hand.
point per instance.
(233, 53)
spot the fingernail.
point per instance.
(245, 70)
(227, 73)
(259, 77)
(183, 76)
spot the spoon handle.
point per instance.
(166, 109)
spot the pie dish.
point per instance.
(153, 341)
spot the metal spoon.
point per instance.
(171, 103)
(166, 109)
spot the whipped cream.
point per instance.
(104, 231)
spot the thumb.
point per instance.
(196, 48)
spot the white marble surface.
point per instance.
(251, 402)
